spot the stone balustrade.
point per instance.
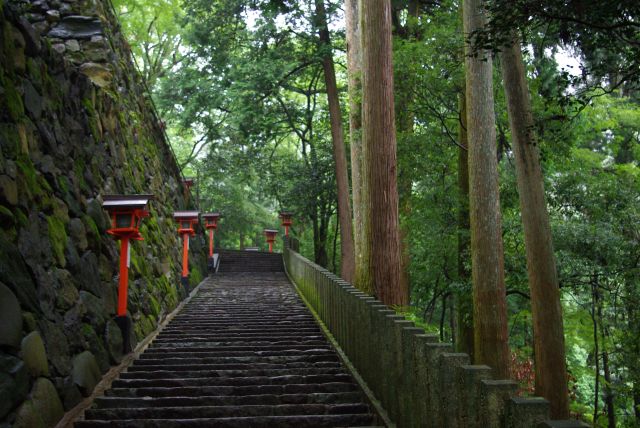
(418, 381)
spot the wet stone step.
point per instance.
(225, 411)
(190, 345)
(274, 359)
(200, 391)
(235, 366)
(168, 374)
(229, 400)
(297, 421)
(243, 352)
(241, 381)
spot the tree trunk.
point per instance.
(606, 370)
(347, 261)
(464, 299)
(489, 296)
(596, 350)
(548, 333)
(354, 68)
(379, 190)
(404, 98)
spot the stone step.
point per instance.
(243, 352)
(235, 366)
(171, 374)
(233, 340)
(229, 400)
(200, 391)
(238, 358)
(231, 381)
(295, 421)
(207, 347)
(206, 412)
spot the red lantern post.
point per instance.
(287, 221)
(271, 237)
(126, 212)
(186, 227)
(211, 223)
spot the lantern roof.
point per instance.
(286, 213)
(186, 215)
(133, 202)
(211, 215)
(270, 231)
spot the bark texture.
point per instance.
(464, 300)
(354, 68)
(347, 265)
(379, 190)
(404, 98)
(489, 296)
(548, 332)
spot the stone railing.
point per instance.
(418, 381)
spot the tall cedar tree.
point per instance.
(548, 335)
(379, 190)
(354, 68)
(405, 118)
(487, 258)
(347, 270)
(464, 300)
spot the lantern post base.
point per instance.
(126, 327)
(185, 285)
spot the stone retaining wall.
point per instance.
(75, 123)
(419, 381)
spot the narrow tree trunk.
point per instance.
(347, 261)
(606, 370)
(464, 299)
(354, 68)
(380, 192)
(596, 351)
(489, 296)
(548, 332)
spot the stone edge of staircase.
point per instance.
(373, 402)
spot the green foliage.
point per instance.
(240, 88)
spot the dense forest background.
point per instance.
(240, 85)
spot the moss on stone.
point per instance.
(29, 175)
(63, 184)
(91, 225)
(9, 136)
(22, 218)
(78, 170)
(155, 305)
(33, 68)
(12, 99)
(57, 238)
(7, 216)
(195, 276)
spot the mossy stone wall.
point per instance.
(75, 124)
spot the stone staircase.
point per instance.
(250, 261)
(244, 352)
